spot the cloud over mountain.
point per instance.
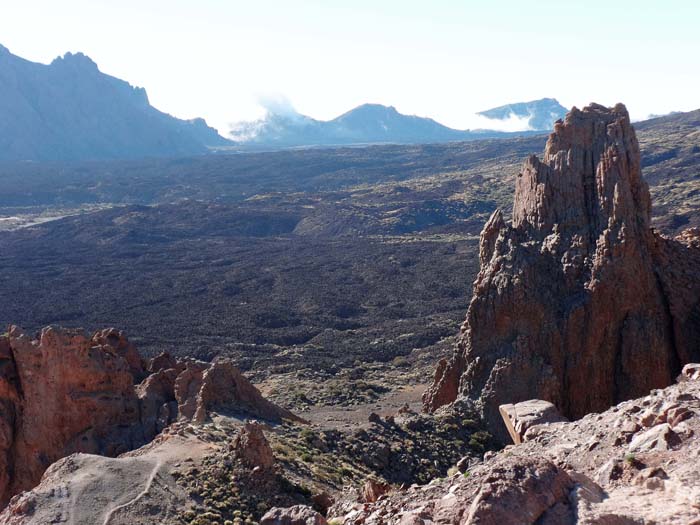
(283, 126)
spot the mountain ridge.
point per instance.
(377, 123)
(70, 110)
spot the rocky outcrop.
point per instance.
(136, 488)
(252, 448)
(68, 394)
(578, 301)
(635, 463)
(225, 389)
(373, 489)
(64, 393)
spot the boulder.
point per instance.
(520, 417)
(296, 515)
(691, 371)
(373, 489)
(522, 491)
(660, 437)
(162, 361)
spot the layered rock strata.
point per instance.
(63, 393)
(578, 301)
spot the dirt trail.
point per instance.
(84, 489)
(144, 492)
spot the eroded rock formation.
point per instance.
(578, 301)
(64, 393)
(252, 448)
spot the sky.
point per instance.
(223, 60)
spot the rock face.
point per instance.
(64, 393)
(67, 394)
(577, 302)
(635, 463)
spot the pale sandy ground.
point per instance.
(133, 489)
(41, 216)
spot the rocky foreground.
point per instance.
(636, 463)
(93, 433)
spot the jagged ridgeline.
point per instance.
(578, 300)
(70, 110)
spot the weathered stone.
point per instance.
(72, 394)
(322, 501)
(224, 388)
(520, 494)
(296, 515)
(156, 399)
(251, 446)
(549, 481)
(660, 437)
(691, 371)
(520, 417)
(118, 342)
(373, 489)
(465, 463)
(162, 361)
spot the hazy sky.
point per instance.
(441, 58)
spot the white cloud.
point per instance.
(277, 104)
(512, 123)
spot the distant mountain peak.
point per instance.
(77, 58)
(540, 114)
(370, 111)
(367, 123)
(374, 107)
